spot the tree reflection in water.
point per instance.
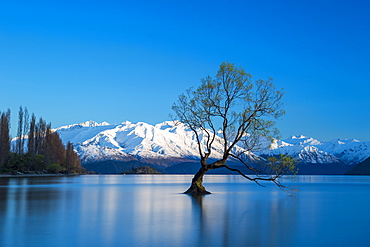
(243, 221)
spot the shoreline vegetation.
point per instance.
(37, 149)
(141, 170)
(36, 175)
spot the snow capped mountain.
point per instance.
(78, 133)
(171, 142)
(302, 140)
(310, 150)
(350, 151)
(305, 153)
(166, 143)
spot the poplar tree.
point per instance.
(19, 142)
(71, 161)
(4, 137)
(40, 136)
(31, 136)
(26, 126)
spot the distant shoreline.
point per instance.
(33, 175)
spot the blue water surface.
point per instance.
(150, 210)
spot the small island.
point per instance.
(142, 170)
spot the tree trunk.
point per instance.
(196, 187)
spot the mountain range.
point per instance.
(171, 144)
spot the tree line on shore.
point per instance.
(36, 148)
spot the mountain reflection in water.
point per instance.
(150, 210)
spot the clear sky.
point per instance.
(73, 61)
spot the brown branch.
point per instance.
(244, 163)
(290, 191)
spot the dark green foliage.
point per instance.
(25, 162)
(16, 162)
(54, 168)
(6, 171)
(142, 170)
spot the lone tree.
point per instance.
(231, 110)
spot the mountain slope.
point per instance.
(170, 143)
(312, 151)
(165, 144)
(362, 168)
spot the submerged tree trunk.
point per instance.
(196, 187)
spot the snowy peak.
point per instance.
(302, 140)
(93, 124)
(87, 124)
(278, 144)
(299, 137)
(79, 133)
(311, 154)
(166, 125)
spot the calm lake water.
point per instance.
(149, 210)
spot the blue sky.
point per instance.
(73, 61)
